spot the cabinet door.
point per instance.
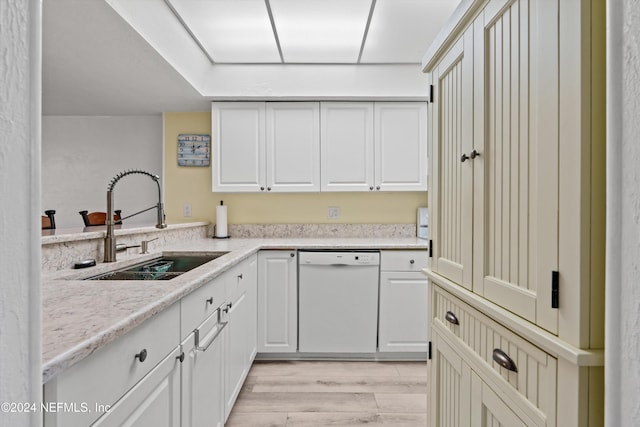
(347, 149)
(202, 379)
(516, 175)
(403, 320)
(238, 146)
(237, 361)
(293, 146)
(451, 194)
(277, 302)
(450, 386)
(489, 410)
(400, 146)
(152, 402)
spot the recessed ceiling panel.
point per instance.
(231, 31)
(320, 31)
(402, 30)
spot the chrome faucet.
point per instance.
(110, 238)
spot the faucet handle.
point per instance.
(144, 245)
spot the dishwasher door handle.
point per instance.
(338, 265)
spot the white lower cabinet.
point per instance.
(153, 402)
(202, 375)
(403, 318)
(277, 301)
(240, 333)
(129, 374)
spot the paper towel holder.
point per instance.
(215, 236)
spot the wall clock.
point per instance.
(193, 150)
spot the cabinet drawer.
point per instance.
(200, 304)
(403, 260)
(533, 373)
(103, 377)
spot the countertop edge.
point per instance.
(245, 248)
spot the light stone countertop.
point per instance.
(79, 317)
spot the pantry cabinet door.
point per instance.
(347, 150)
(451, 192)
(238, 146)
(488, 409)
(516, 196)
(401, 146)
(293, 146)
(451, 384)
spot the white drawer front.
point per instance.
(535, 375)
(200, 304)
(103, 377)
(400, 260)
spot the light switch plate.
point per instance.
(186, 210)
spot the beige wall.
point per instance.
(193, 185)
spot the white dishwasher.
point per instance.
(338, 301)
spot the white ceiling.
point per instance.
(95, 63)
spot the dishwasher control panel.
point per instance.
(338, 258)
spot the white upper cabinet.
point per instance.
(347, 146)
(400, 146)
(319, 146)
(293, 146)
(238, 146)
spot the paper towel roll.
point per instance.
(221, 221)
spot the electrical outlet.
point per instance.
(186, 210)
(333, 213)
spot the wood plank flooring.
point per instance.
(328, 393)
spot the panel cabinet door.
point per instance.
(452, 137)
(347, 149)
(450, 386)
(203, 381)
(488, 409)
(236, 360)
(516, 174)
(153, 402)
(277, 302)
(293, 146)
(403, 312)
(400, 146)
(238, 146)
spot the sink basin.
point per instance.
(164, 268)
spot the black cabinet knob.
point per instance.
(181, 357)
(292, 254)
(142, 356)
(474, 154)
(411, 262)
(463, 158)
(210, 300)
(261, 188)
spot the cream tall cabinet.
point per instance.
(517, 218)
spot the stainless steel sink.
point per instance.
(164, 268)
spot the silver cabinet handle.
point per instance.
(451, 318)
(218, 330)
(503, 359)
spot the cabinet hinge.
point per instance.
(430, 248)
(431, 94)
(429, 352)
(555, 291)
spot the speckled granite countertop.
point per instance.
(79, 317)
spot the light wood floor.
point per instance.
(320, 393)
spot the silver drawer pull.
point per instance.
(451, 318)
(503, 359)
(218, 330)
